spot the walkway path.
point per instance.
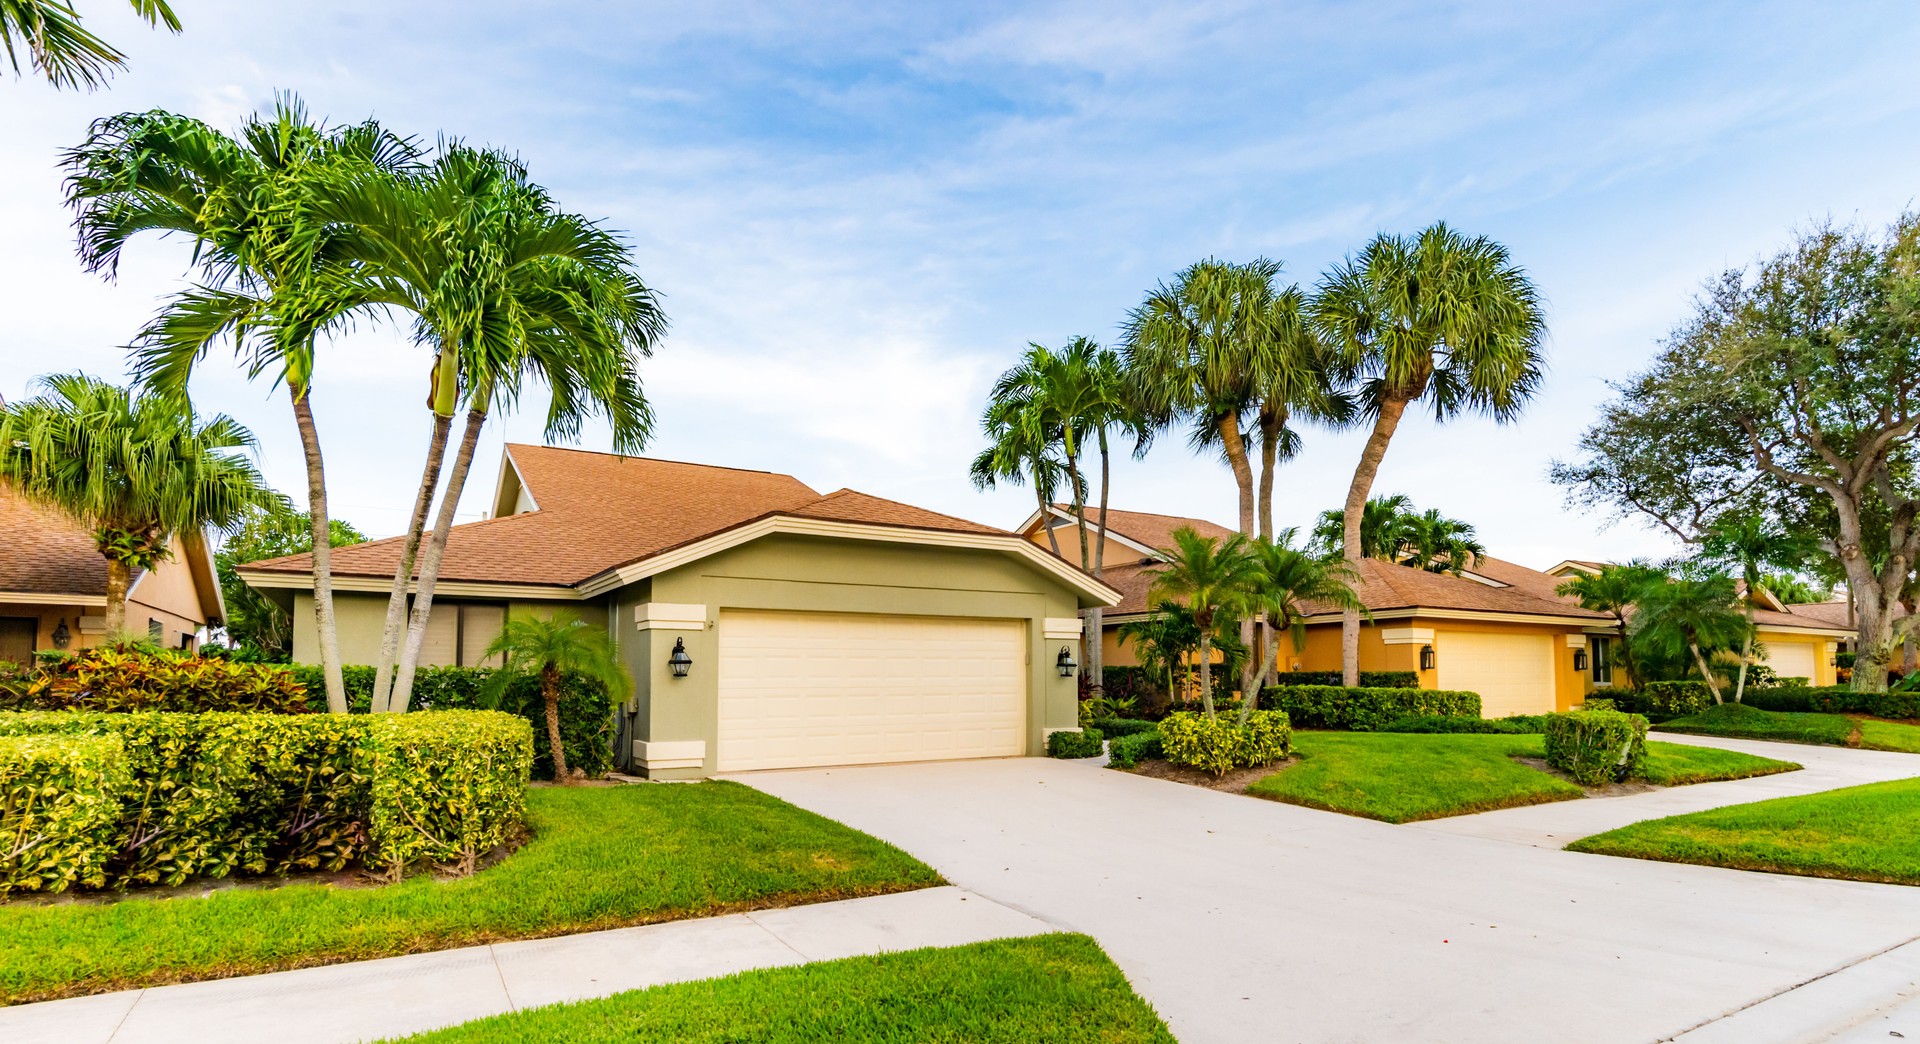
(401, 995)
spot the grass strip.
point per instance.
(601, 857)
(1050, 987)
(1739, 721)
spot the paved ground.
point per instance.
(402, 995)
(1248, 920)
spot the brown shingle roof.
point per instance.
(45, 552)
(598, 511)
(1142, 527)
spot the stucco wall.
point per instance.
(360, 618)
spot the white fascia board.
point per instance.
(669, 616)
(1465, 615)
(1789, 632)
(1576, 641)
(450, 588)
(1406, 636)
(42, 598)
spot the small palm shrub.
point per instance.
(1596, 747)
(1220, 745)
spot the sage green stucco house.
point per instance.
(822, 630)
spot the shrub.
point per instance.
(1075, 743)
(1220, 744)
(1130, 683)
(1596, 747)
(1368, 679)
(1114, 728)
(447, 786)
(1662, 700)
(127, 678)
(1364, 709)
(1898, 705)
(1792, 698)
(1130, 750)
(60, 799)
(1515, 725)
(1598, 703)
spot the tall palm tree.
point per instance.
(1286, 585)
(138, 469)
(1163, 641)
(549, 650)
(506, 288)
(1018, 452)
(1750, 545)
(1439, 544)
(59, 48)
(1692, 616)
(1210, 576)
(1382, 528)
(1616, 590)
(1440, 318)
(272, 278)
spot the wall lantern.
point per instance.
(1065, 662)
(679, 662)
(1426, 657)
(61, 636)
(1579, 659)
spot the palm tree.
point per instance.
(1750, 545)
(1163, 641)
(273, 279)
(507, 288)
(1439, 544)
(1286, 585)
(1210, 576)
(550, 649)
(59, 48)
(1692, 616)
(1382, 528)
(1616, 590)
(1017, 452)
(1440, 318)
(139, 470)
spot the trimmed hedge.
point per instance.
(1662, 700)
(1512, 725)
(222, 793)
(1596, 747)
(1220, 744)
(586, 709)
(60, 799)
(1132, 749)
(1075, 743)
(1896, 705)
(1114, 728)
(123, 679)
(1368, 679)
(1364, 709)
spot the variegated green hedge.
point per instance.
(223, 793)
(60, 805)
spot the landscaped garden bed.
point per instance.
(1861, 833)
(599, 857)
(1738, 721)
(1049, 987)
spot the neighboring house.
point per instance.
(1795, 641)
(822, 630)
(53, 586)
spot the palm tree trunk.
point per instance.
(328, 633)
(1705, 672)
(1046, 516)
(436, 549)
(1206, 673)
(1096, 637)
(1266, 668)
(1236, 449)
(396, 624)
(1391, 410)
(1746, 653)
(118, 577)
(1271, 425)
(1626, 653)
(1079, 496)
(550, 695)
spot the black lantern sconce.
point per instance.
(679, 663)
(61, 636)
(1426, 657)
(1065, 662)
(1579, 659)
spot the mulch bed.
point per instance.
(1604, 790)
(1235, 782)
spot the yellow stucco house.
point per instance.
(1498, 629)
(765, 625)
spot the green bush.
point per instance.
(1662, 700)
(1596, 747)
(128, 678)
(1790, 698)
(1114, 728)
(223, 793)
(1220, 744)
(1594, 703)
(1845, 659)
(1364, 709)
(1134, 684)
(586, 709)
(1368, 679)
(1075, 743)
(1130, 750)
(1896, 705)
(1513, 725)
(60, 800)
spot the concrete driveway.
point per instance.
(1247, 920)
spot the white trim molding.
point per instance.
(1406, 636)
(43, 598)
(448, 588)
(670, 754)
(669, 616)
(1063, 627)
(1576, 641)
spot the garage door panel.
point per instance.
(1513, 673)
(1791, 659)
(835, 689)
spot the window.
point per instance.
(458, 633)
(156, 630)
(1602, 659)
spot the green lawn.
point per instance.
(1863, 833)
(1051, 987)
(1740, 721)
(1403, 777)
(601, 857)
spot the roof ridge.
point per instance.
(650, 460)
(846, 490)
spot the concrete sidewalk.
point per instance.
(1560, 823)
(369, 1000)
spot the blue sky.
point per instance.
(859, 214)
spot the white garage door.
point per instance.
(1513, 673)
(845, 689)
(1791, 659)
